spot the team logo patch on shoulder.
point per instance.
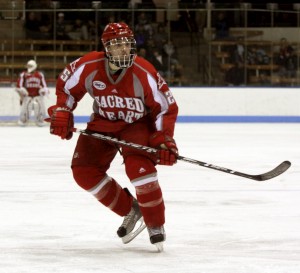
(99, 85)
(160, 81)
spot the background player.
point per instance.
(32, 87)
(131, 102)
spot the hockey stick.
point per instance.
(281, 168)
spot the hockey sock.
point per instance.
(151, 204)
(105, 189)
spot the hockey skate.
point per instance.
(157, 237)
(130, 227)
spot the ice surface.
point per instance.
(216, 222)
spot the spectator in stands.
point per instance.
(222, 27)
(170, 50)
(32, 87)
(160, 36)
(159, 61)
(32, 25)
(46, 26)
(257, 56)
(79, 31)
(175, 75)
(141, 36)
(236, 75)
(150, 45)
(286, 59)
(168, 68)
(93, 32)
(38, 26)
(61, 28)
(144, 22)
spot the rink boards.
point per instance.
(201, 104)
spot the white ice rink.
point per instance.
(215, 222)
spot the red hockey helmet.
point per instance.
(118, 35)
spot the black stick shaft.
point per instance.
(281, 168)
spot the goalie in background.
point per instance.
(32, 87)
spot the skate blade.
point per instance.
(130, 236)
(159, 246)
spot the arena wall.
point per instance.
(197, 104)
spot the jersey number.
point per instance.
(170, 97)
(65, 75)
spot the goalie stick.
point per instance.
(281, 168)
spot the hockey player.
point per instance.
(131, 102)
(32, 87)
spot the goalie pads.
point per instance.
(25, 110)
(39, 110)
